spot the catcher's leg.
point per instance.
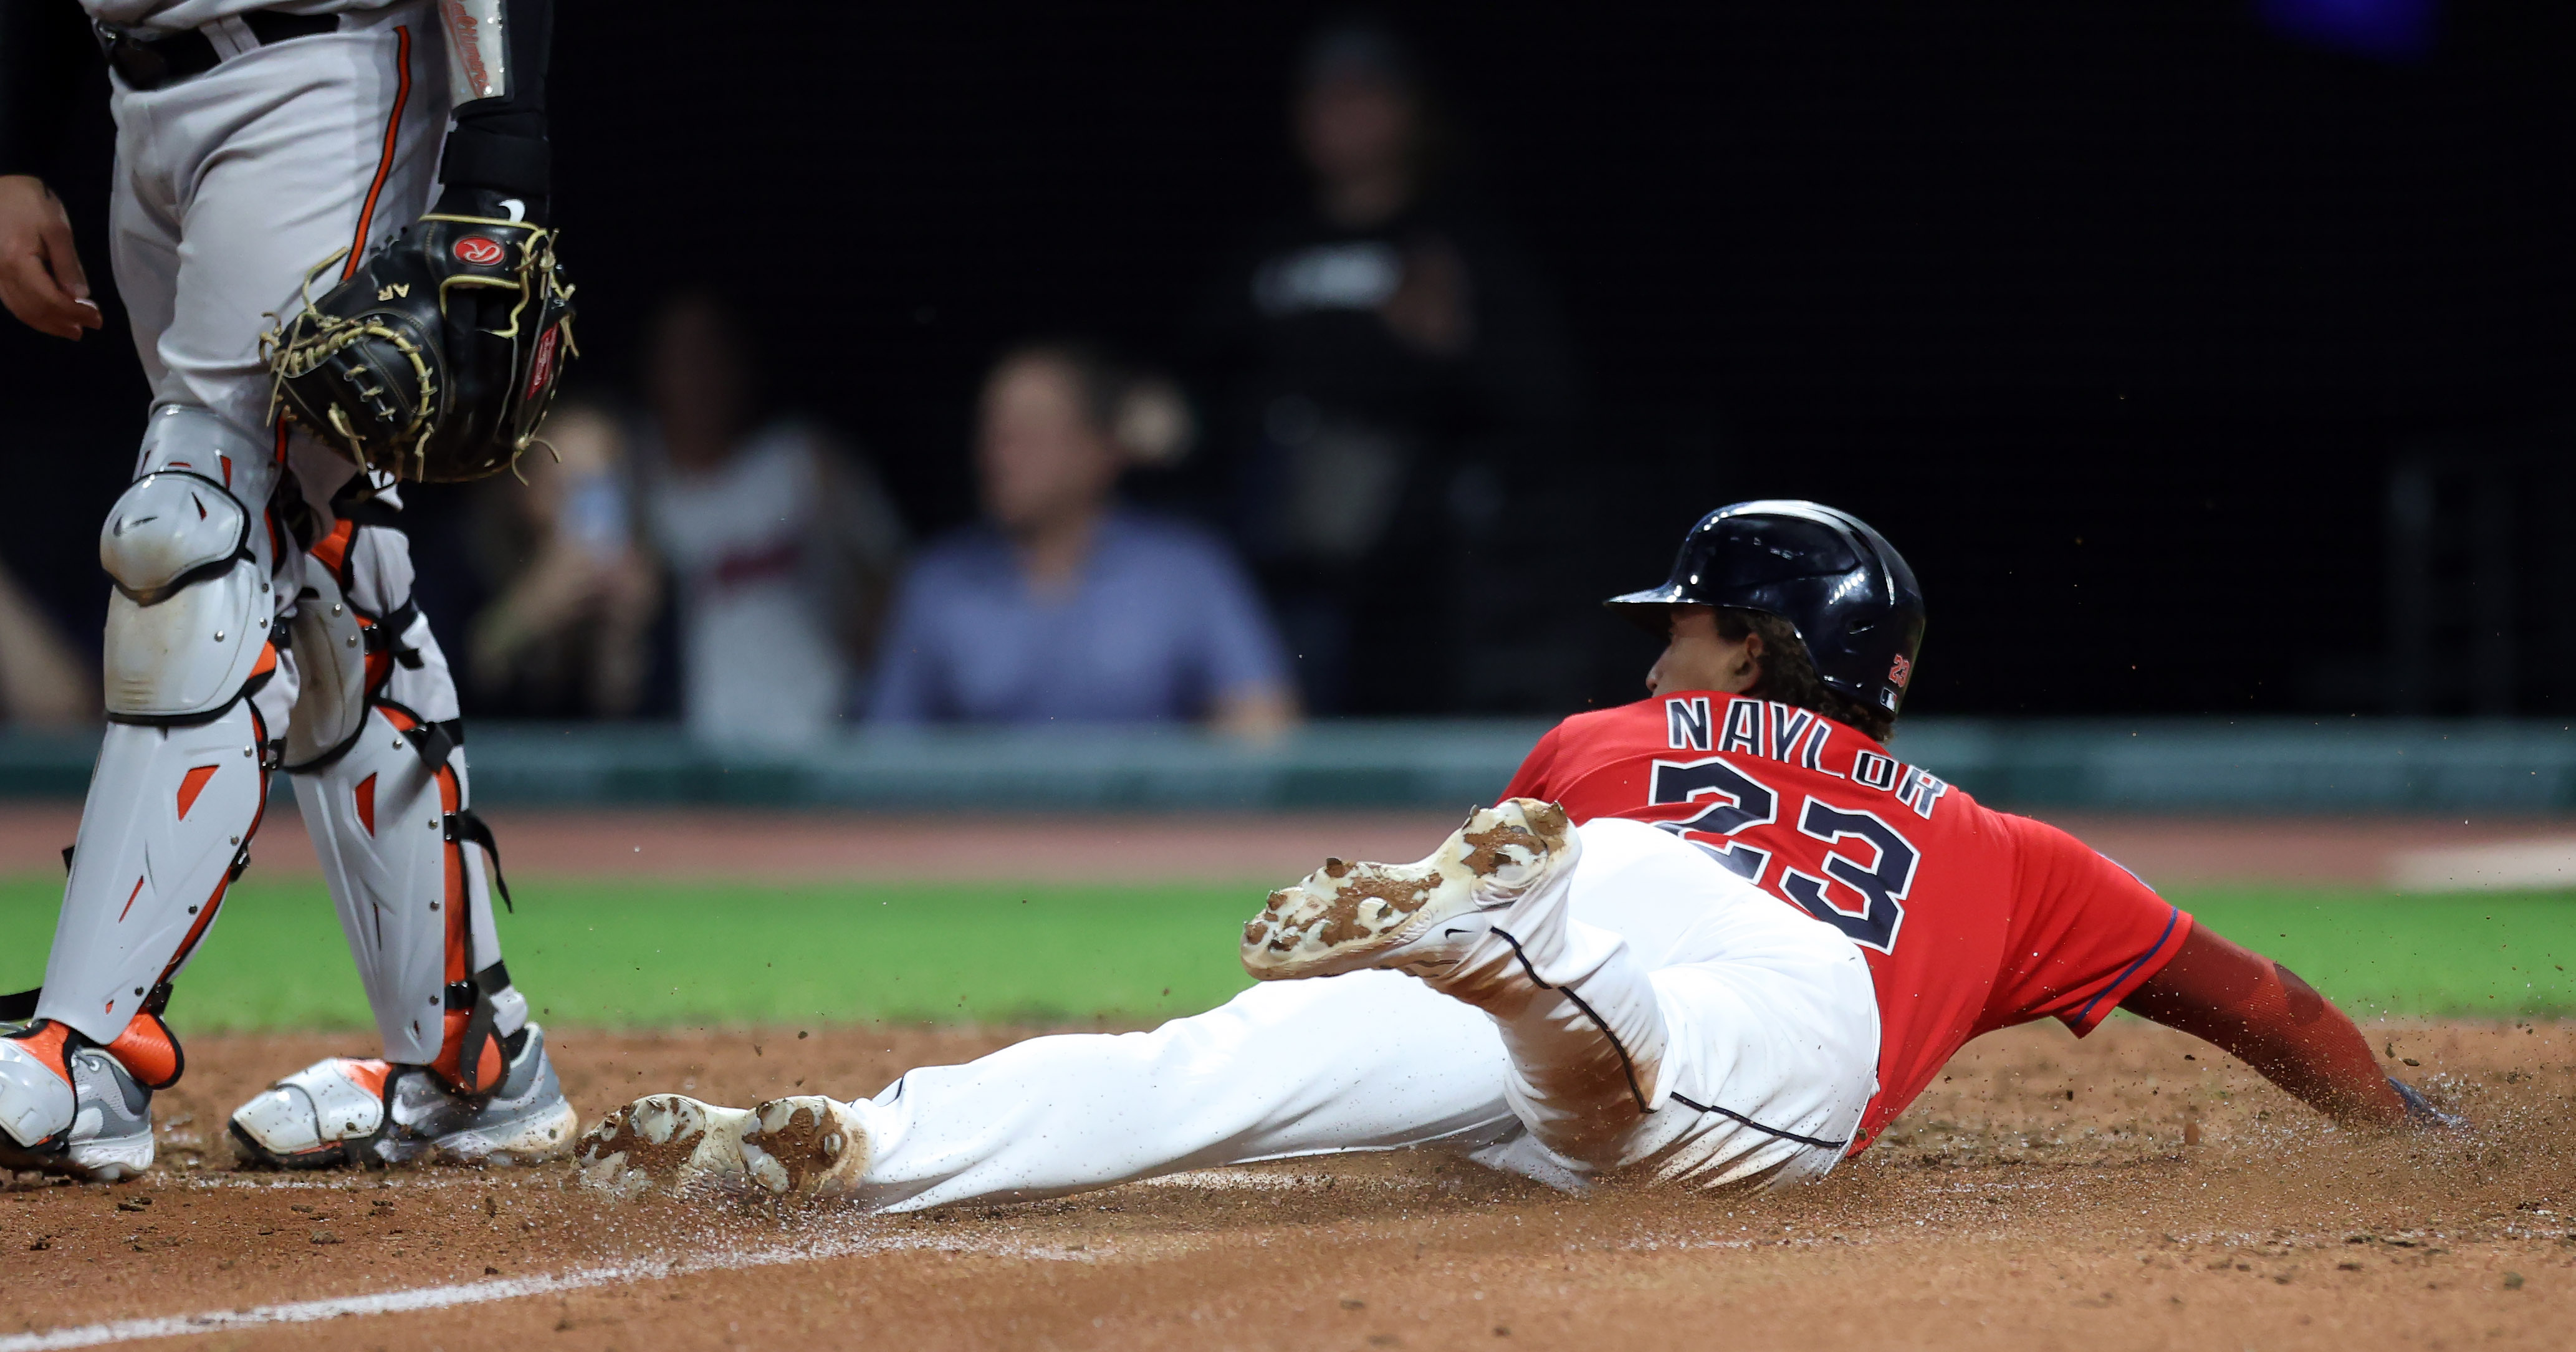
(223, 199)
(1745, 1046)
(198, 674)
(375, 751)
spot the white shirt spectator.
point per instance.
(767, 548)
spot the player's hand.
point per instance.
(40, 273)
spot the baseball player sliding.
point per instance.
(312, 336)
(1718, 935)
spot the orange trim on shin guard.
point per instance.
(150, 1052)
(333, 549)
(459, 1025)
(241, 860)
(488, 1062)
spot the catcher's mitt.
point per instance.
(435, 360)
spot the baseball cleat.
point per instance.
(1422, 917)
(807, 1147)
(67, 1107)
(666, 1143)
(348, 1111)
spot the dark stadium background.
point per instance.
(2131, 323)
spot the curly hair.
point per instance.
(1789, 674)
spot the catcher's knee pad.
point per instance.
(389, 820)
(188, 626)
(191, 549)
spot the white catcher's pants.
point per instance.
(232, 184)
(1768, 1021)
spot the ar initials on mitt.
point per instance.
(435, 360)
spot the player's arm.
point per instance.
(41, 282)
(2262, 1013)
(499, 151)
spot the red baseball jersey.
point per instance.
(1971, 919)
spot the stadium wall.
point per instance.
(2259, 765)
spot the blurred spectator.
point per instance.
(1062, 605)
(782, 544)
(42, 678)
(1396, 390)
(574, 597)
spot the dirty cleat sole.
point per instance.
(1347, 916)
(807, 1147)
(666, 1143)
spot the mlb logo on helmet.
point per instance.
(477, 250)
(1898, 673)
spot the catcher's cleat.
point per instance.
(1425, 917)
(345, 1111)
(67, 1107)
(666, 1143)
(807, 1147)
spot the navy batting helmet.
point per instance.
(1846, 590)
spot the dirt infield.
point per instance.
(2129, 1191)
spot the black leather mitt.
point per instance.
(435, 360)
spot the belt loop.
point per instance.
(231, 37)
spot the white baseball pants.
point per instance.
(1756, 1026)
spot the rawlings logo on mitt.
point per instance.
(435, 360)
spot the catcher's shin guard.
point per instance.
(379, 771)
(389, 822)
(195, 682)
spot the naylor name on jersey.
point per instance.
(1860, 883)
(1797, 736)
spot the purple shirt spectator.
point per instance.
(1158, 625)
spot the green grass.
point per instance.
(646, 953)
(2492, 954)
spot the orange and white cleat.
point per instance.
(347, 1111)
(69, 1107)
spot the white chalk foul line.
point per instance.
(485, 1292)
